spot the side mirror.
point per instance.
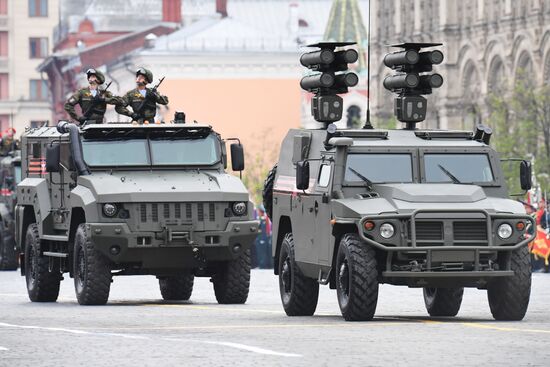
(237, 157)
(302, 175)
(52, 158)
(525, 175)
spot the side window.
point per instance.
(36, 150)
(324, 175)
(65, 156)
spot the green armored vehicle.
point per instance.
(123, 199)
(10, 176)
(420, 208)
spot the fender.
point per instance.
(34, 192)
(82, 197)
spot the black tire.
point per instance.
(42, 284)
(356, 279)
(299, 294)
(509, 297)
(8, 254)
(443, 301)
(177, 288)
(232, 282)
(92, 271)
(267, 192)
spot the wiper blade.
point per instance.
(366, 180)
(449, 174)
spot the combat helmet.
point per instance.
(146, 73)
(99, 75)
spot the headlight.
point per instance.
(110, 210)
(504, 231)
(386, 230)
(239, 208)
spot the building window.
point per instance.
(4, 122)
(38, 48)
(38, 8)
(3, 44)
(3, 7)
(4, 87)
(38, 90)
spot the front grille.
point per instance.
(470, 231)
(429, 231)
(194, 212)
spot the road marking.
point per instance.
(248, 348)
(263, 326)
(239, 346)
(500, 328)
(3, 349)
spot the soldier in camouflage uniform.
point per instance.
(143, 100)
(92, 100)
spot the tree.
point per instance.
(520, 118)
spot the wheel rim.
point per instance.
(80, 269)
(286, 276)
(343, 278)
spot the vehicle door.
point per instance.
(322, 239)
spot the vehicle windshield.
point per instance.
(158, 151)
(457, 168)
(379, 168)
(184, 151)
(131, 152)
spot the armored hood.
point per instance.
(146, 186)
(406, 198)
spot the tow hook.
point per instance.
(197, 254)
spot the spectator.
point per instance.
(262, 243)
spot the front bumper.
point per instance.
(174, 247)
(449, 261)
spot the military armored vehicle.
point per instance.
(122, 199)
(419, 208)
(10, 176)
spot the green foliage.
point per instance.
(387, 124)
(520, 118)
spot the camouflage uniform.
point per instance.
(134, 99)
(86, 100)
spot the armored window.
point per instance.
(324, 175)
(35, 150)
(116, 153)
(458, 168)
(65, 156)
(176, 151)
(38, 8)
(378, 168)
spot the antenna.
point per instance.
(368, 124)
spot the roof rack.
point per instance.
(118, 131)
(429, 135)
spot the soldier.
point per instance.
(142, 100)
(92, 100)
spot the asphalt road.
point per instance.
(136, 328)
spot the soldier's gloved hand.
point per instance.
(135, 117)
(82, 119)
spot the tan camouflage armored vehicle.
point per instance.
(123, 199)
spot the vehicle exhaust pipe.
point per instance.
(65, 127)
